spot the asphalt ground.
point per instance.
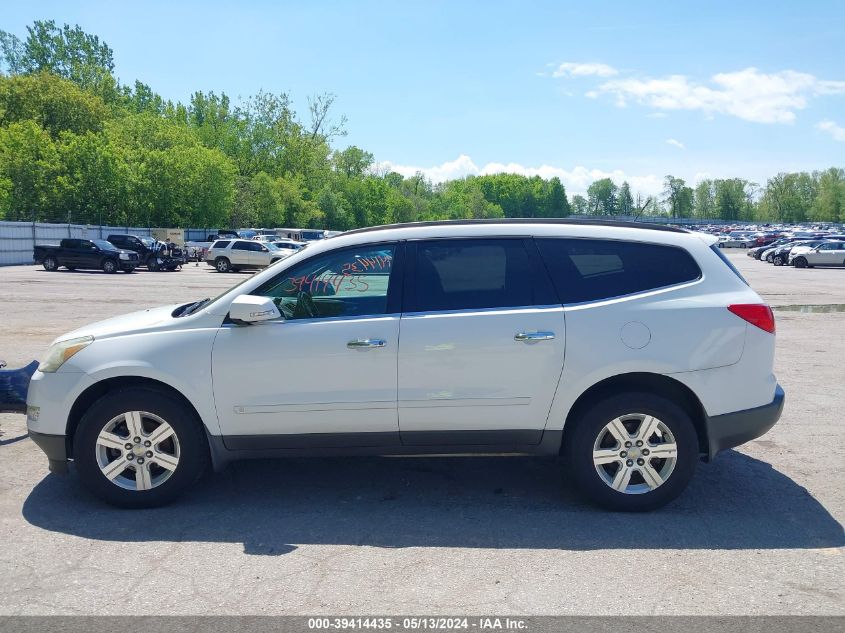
(759, 531)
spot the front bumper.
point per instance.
(732, 429)
(54, 447)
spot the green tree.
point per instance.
(29, 166)
(829, 205)
(678, 197)
(55, 104)
(601, 197)
(626, 200)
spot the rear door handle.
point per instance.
(365, 342)
(534, 336)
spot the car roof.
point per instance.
(520, 221)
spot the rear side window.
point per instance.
(476, 274)
(715, 248)
(592, 270)
(220, 244)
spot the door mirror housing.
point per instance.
(252, 309)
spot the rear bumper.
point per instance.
(732, 429)
(54, 447)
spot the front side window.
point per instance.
(475, 274)
(592, 269)
(343, 283)
(241, 246)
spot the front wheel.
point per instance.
(632, 452)
(50, 264)
(222, 265)
(800, 262)
(770, 258)
(778, 260)
(109, 266)
(139, 447)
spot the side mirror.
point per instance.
(251, 309)
(265, 249)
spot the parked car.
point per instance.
(737, 242)
(75, 253)
(288, 247)
(241, 254)
(780, 256)
(153, 254)
(828, 253)
(669, 358)
(766, 253)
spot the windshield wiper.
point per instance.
(195, 306)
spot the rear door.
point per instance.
(239, 254)
(481, 346)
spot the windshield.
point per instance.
(104, 245)
(147, 241)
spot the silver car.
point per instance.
(826, 254)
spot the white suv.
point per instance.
(233, 255)
(629, 349)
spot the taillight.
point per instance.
(758, 314)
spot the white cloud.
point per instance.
(836, 131)
(575, 69)
(747, 94)
(656, 115)
(675, 142)
(576, 180)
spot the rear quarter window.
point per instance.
(592, 269)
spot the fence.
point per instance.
(17, 239)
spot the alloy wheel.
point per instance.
(635, 453)
(137, 451)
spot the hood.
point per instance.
(134, 322)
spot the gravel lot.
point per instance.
(759, 531)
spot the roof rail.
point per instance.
(576, 221)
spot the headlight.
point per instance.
(62, 351)
(124, 256)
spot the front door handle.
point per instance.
(365, 342)
(534, 336)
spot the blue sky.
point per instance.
(634, 90)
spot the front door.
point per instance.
(325, 374)
(482, 343)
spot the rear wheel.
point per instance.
(770, 258)
(50, 263)
(109, 266)
(222, 265)
(632, 452)
(139, 447)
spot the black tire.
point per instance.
(770, 258)
(109, 266)
(743, 245)
(800, 262)
(580, 443)
(193, 446)
(152, 265)
(778, 260)
(50, 264)
(222, 265)
(71, 268)
(721, 245)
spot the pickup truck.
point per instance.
(153, 254)
(77, 253)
